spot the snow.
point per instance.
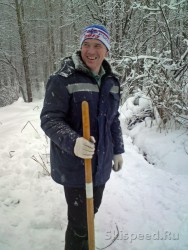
(147, 201)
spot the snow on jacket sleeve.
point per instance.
(55, 114)
(117, 135)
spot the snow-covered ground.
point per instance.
(146, 202)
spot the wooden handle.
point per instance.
(88, 179)
(85, 120)
(86, 135)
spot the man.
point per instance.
(86, 75)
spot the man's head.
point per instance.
(95, 44)
(96, 32)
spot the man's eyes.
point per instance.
(88, 45)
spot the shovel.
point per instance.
(88, 179)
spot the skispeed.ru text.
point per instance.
(166, 235)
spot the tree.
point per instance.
(23, 42)
(148, 44)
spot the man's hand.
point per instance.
(118, 162)
(84, 148)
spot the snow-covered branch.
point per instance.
(9, 5)
(169, 6)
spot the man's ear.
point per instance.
(107, 53)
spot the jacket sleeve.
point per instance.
(116, 131)
(117, 135)
(54, 115)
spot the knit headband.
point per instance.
(96, 32)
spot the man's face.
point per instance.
(93, 53)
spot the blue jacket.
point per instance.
(61, 120)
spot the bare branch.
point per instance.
(41, 163)
(169, 32)
(32, 127)
(9, 5)
(10, 63)
(186, 150)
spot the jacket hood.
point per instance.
(74, 63)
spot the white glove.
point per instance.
(84, 148)
(118, 162)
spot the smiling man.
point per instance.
(93, 53)
(86, 75)
(95, 44)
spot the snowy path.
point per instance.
(149, 205)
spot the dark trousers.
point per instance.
(76, 236)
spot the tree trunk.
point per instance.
(117, 29)
(61, 30)
(19, 12)
(50, 34)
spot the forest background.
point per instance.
(149, 48)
